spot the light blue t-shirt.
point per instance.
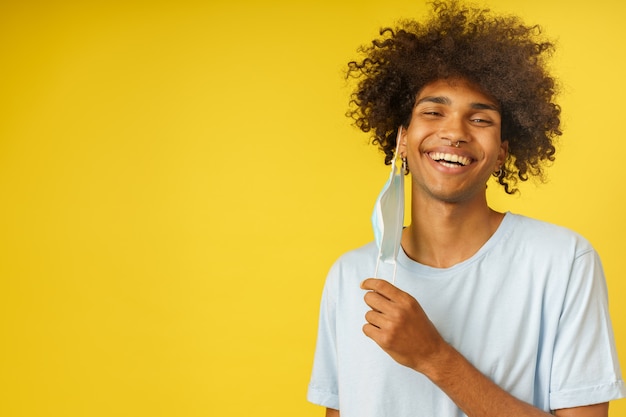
(529, 310)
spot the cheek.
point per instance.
(415, 137)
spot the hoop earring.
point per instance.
(498, 173)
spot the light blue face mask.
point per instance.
(388, 216)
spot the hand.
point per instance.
(400, 327)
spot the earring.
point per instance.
(498, 173)
(405, 165)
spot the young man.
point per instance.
(491, 314)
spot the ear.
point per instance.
(402, 150)
(504, 151)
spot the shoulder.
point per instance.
(353, 266)
(546, 236)
(356, 259)
(359, 254)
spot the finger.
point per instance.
(385, 288)
(376, 301)
(371, 331)
(375, 318)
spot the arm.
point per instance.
(596, 410)
(397, 321)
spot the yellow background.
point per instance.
(177, 177)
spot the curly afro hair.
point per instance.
(499, 54)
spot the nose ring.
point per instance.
(455, 144)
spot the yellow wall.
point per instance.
(177, 177)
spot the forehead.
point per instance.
(456, 90)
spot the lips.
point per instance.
(449, 160)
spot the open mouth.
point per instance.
(450, 160)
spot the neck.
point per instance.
(443, 234)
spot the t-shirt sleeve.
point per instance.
(323, 387)
(585, 366)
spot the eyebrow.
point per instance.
(437, 100)
(445, 100)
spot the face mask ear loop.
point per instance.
(380, 249)
(377, 264)
(395, 158)
(395, 268)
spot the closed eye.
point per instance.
(480, 121)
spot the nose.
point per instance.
(452, 130)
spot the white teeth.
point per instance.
(448, 157)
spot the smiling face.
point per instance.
(453, 143)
